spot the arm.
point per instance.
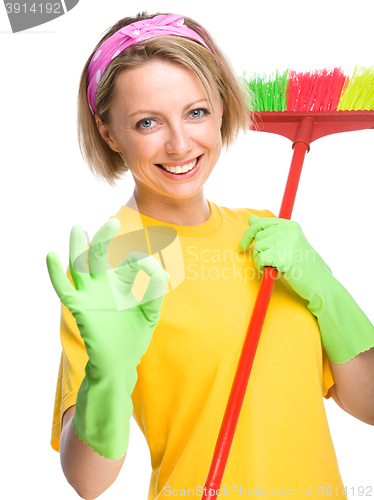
(354, 386)
(346, 332)
(85, 470)
(116, 329)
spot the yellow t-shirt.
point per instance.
(282, 440)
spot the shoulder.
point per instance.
(243, 213)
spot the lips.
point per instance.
(180, 168)
(175, 170)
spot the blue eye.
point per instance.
(198, 113)
(149, 123)
(145, 124)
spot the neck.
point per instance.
(192, 211)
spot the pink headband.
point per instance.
(171, 24)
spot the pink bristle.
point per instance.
(318, 90)
(321, 96)
(336, 88)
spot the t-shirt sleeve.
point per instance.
(71, 371)
(327, 377)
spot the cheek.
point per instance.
(140, 148)
(213, 142)
(212, 135)
(217, 138)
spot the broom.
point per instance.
(302, 107)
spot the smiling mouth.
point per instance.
(178, 169)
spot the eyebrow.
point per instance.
(150, 112)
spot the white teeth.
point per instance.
(180, 170)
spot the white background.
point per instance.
(46, 188)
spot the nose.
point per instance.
(178, 140)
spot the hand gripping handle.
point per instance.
(300, 146)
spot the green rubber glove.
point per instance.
(116, 329)
(345, 329)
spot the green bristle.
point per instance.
(269, 93)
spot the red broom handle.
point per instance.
(234, 404)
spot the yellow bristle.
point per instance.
(359, 93)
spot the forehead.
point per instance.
(159, 81)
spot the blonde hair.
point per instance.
(212, 68)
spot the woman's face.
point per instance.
(161, 116)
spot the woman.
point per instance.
(158, 98)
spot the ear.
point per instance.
(220, 126)
(220, 112)
(106, 134)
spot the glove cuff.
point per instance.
(103, 411)
(345, 329)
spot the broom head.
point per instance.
(334, 101)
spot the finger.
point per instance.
(154, 295)
(60, 281)
(98, 250)
(77, 256)
(246, 240)
(268, 233)
(256, 224)
(133, 263)
(252, 219)
(264, 259)
(266, 243)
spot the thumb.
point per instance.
(252, 219)
(249, 235)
